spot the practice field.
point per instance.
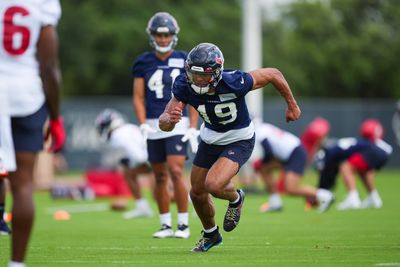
(289, 238)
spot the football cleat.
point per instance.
(138, 213)
(164, 232)
(232, 215)
(207, 241)
(182, 232)
(4, 229)
(325, 204)
(349, 204)
(265, 207)
(370, 202)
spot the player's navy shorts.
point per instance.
(159, 149)
(239, 152)
(297, 160)
(27, 132)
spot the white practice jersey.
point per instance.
(20, 25)
(128, 140)
(282, 142)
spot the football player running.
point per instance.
(30, 82)
(154, 73)
(227, 133)
(127, 142)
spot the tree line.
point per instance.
(337, 48)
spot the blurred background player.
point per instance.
(227, 134)
(127, 140)
(30, 82)
(283, 151)
(365, 163)
(342, 156)
(154, 73)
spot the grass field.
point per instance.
(290, 238)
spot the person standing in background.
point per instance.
(30, 84)
(154, 74)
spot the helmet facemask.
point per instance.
(163, 49)
(209, 82)
(204, 60)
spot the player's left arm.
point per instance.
(171, 115)
(47, 53)
(264, 76)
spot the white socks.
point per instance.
(165, 218)
(16, 264)
(183, 218)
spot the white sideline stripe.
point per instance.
(80, 208)
(388, 264)
(122, 249)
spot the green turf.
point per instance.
(290, 238)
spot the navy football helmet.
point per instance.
(205, 58)
(162, 22)
(108, 120)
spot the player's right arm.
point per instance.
(171, 115)
(139, 100)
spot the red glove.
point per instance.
(57, 131)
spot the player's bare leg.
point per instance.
(23, 209)
(143, 208)
(201, 199)
(293, 187)
(163, 200)
(218, 180)
(175, 165)
(218, 183)
(352, 200)
(161, 187)
(204, 206)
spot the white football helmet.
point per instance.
(107, 121)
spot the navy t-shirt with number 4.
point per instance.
(159, 75)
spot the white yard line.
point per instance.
(80, 208)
